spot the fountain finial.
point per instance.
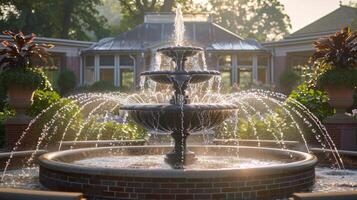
(179, 31)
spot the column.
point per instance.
(255, 68)
(96, 68)
(234, 69)
(117, 70)
(81, 70)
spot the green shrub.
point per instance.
(33, 78)
(41, 100)
(65, 113)
(267, 127)
(66, 81)
(315, 100)
(289, 79)
(3, 98)
(103, 86)
(338, 77)
(113, 130)
(99, 86)
(3, 117)
(40, 79)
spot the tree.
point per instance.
(133, 11)
(51, 18)
(111, 10)
(259, 19)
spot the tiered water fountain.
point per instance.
(211, 172)
(180, 116)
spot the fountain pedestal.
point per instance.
(180, 156)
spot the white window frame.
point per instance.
(85, 67)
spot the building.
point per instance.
(120, 60)
(65, 54)
(295, 49)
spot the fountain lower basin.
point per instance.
(59, 171)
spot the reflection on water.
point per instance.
(156, 162)
(328, 180)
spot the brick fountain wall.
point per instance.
(234, 187)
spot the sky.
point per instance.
(304, 12)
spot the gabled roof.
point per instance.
(332, 22)
(205, 34)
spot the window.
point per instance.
(106, 68)
(107, 75)
(126, 79)
(126, 61)
(262, 74)
(225, 66)
(53, 66)
(106, 60)
(262, 68)
(89, 75)
(245, 77)
(226, 78)
(245, 71)
(245, 61)
(126, 72)
(89, 60)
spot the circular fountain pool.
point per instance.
(140, 173)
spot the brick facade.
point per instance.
(344, 135)
(14, 128)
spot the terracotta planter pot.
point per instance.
(341, 98)
(20, 99)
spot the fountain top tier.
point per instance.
(177, 53)
(180, 77)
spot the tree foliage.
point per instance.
(52, 18)
(259, 19)
(84, 19)
(133, 11)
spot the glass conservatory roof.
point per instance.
(155, 34)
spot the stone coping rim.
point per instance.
(339, 151)
(102, 141)
(47, 161)
(252, 140)
(177, 107)
(22, 153)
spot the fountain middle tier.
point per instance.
(169, 77)
(174, 117)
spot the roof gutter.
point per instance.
(64, 42)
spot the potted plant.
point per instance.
(336, 73)
(18, 73)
